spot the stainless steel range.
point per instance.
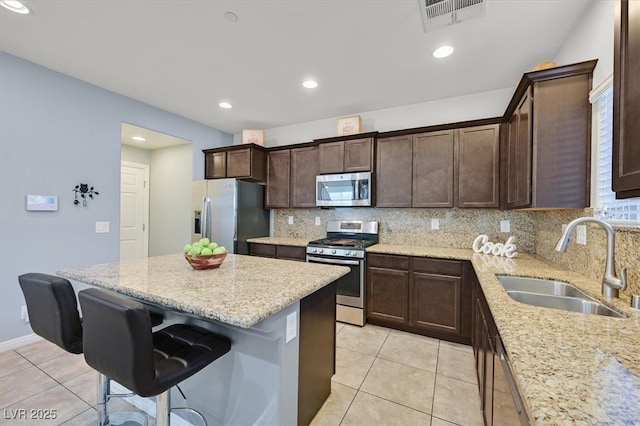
(345, 245)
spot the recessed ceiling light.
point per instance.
(14, 6)
(442, 52)
(225, 105)
(230, 16)
(310, 84)
(138, 138)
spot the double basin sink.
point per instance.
(553, 294)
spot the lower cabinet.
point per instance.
(499, 397)
(422, 295)
(278, 251)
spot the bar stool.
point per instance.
(119, 343)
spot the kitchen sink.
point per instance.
(554, 295)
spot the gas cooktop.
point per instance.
(342, 242)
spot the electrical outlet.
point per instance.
(292, 326)
(435, 223)
(505, 226)
(317, 220)
(290, 220)
(102, 227)
(24, 313)
(581, 235)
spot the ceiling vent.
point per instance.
(440, 13)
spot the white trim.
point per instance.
(8, 345)
(596, 92)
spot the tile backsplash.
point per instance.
(535, 233)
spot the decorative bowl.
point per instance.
(209, 261)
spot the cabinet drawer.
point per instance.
(437, 266)
(266, 250)
(388, 261)
(291, 252)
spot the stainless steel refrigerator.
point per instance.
(229, 211)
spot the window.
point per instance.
(623, 212)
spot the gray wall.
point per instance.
(56, 132)
(135, 155)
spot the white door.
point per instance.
(134, 211)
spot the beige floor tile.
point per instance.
(335, 407)
(23, 384)
(439, 422)
(370, 410)
(409, 386)
(85, 386)
(416, 353)
(12, 361)
(87, 418)
(456, 346)
(41, 351)
(367, 340)
(351, 367)
(339, 327)
(457, 401)
(59, 403)
(65, 367)
(457, 364)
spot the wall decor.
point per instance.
(349, 125)
(83, 191)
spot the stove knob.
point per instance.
(333, 251)
(315, 250)
(320, 250)
(353, 253)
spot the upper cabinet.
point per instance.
(278, 179)
(304, 169)
(238, 161)
(439, 169)
(547, 140)
(626, 101)
(345, 156)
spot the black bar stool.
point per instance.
(119, 343)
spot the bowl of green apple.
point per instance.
(204, 254)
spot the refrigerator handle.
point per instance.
(205, 220)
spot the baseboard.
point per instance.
(8, 345)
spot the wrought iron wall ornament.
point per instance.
(83, 191)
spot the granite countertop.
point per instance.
(571, 368)
(243, 291)
(298, 242)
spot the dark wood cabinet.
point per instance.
(247, 162)
(278, 179)
(394, 165)
(278, 251)
(420, 295)
(347, 156)
(433, 169)
(547, 158)
(478, 163)
(626, 100)
(304, 169)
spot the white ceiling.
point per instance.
(185, 57)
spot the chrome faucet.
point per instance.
(611, 284)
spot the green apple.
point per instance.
(204, 242)
(195, 250)
(219, 250)
(187, 248)
(213, 245)
(196, 244)
(206, 251)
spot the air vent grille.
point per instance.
(439, 13)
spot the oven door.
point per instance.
(351, 286)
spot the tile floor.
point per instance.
(383, 377)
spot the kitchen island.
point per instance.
(279, 315)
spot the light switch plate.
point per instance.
(505, 226)
(435, 223)
(102, 227)
(581, 235)
(292, 326)
(317, 220)
(290, 220)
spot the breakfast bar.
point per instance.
(279, 315)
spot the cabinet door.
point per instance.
(304, 169)
(215, 165)
(239, 163)
(358, 155)
(291, 253)
(519, 155)
(387, 292)
(331, 157)
(263, 250)
(433, 169)
(626, 101)
(394, 165)
(478, 159)
(277, 188)
(435, 302)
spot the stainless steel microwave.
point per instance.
(343, 190)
